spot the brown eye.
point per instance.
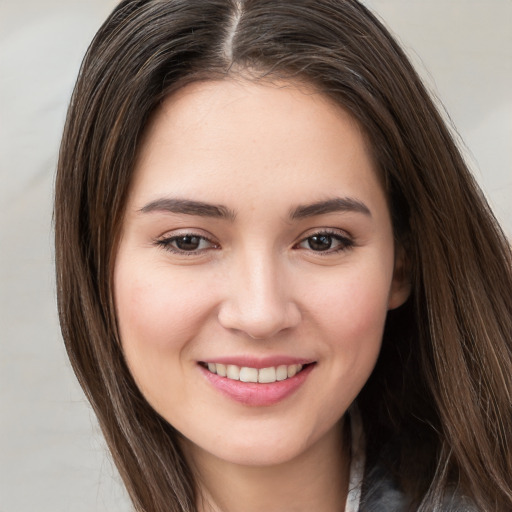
(320, 242)
(325, 242)
(187, 242)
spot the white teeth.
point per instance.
(233, 372)
(263, 375)
(266, 375)
(282, 372)
(248, 374)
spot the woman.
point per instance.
(278, 284)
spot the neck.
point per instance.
(315, 480)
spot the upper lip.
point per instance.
(258, 362)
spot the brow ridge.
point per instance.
(188, 207)
(333, 205)
(202, 209)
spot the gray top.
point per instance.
(381, 491)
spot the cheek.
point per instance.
(356, 302)
(146, 314)
(356, 337)
(154, 309)
(351, 313)
(159, 315)
(347, 320)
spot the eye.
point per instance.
(326, 242)
(187, 243)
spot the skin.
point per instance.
(256, 284)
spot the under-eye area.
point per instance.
(259, 375)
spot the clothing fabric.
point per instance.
(357, 461)
(381, 492)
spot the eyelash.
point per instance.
(345, 243)
(166, 244)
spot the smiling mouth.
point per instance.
(261, 375)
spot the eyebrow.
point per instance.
(199, 208)
(188, 207)
(337, 204)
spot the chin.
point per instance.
(259, 454)
(264, 444)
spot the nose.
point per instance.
(258, 300)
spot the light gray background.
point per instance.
(52, 457)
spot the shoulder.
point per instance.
(382, 494)
(378, 488)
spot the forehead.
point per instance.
(230, 137)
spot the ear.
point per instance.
(401, 283)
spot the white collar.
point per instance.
(357, 460)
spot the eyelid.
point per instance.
(172, 233)
(326, 231)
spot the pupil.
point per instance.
(320, 242)
(187, 243)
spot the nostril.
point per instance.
(259, 321)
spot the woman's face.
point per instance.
(256, 238)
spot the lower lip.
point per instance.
(255, 394)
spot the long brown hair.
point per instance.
(442, 388)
